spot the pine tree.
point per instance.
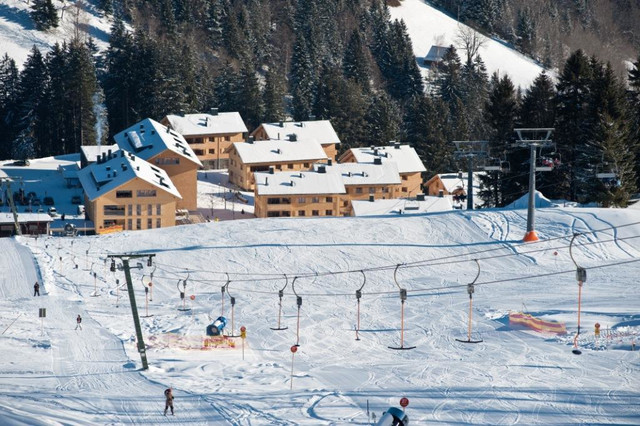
(56, 128)
(31, 93)
(573, 97)
(44, 14)
(251, 107)
(9, 83)
(273, 96)
(501, 110)
(356, 62)
(302, 80)
(382, 120)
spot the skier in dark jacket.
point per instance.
(79, 322)
(168, 393)
(36, 289)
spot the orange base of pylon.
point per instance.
(530, 237)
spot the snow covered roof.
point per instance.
(298, 183)
(398, 205)
(207, 124)
(91, 152)
(7, 218)
(404, 156)
(69, 171)
(320, 131)
(148, 138)
(277, 151)
(435, 53)
(453, 181)
(98, 179)
(365, 173)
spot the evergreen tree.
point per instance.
(497, 187)
(44, 14)
(634, 97)
(356, 62)
(382, 120)
(56, 128)
(526, 31)
(573, 97)
(31, 93)
(226, 89)
(106, 6)
(273, 96)
(251, 107)
(302, 80)
(474, 93)
(81, 88)
(9, 83)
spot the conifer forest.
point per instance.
(348, 62)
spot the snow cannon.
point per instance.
(393, 417)
(215, 329)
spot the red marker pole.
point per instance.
(243, 335)
(294, 348)
(403, 403)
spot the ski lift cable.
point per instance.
(432, 262)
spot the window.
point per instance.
(129, 224)
(302, 200)
(306, 165)
(385, 189)
(138, 210)
(138, 224)
(146, 193)
(315, 213)
(290, 166)
(372, 190)
(315, 199)
(212, 151)
(158, 223)
(404, 189)
(158, 210)
(273, 200)
(130, 211)
(273, 214)
(113, 210)
(329, 199)
(124, 194)
(198, 151)
(167, 160)
(358, 190)
(149, 223)
(328, 213)
(302, 213)
(149, 209)
(227, 138)
(405, 177)
(286, 214)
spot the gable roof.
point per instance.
(98, 179)
(207, 124)
(404, 156)
(436, 53)
(298, 183)
(365, 173)
(320, 131)
(91, 152)
(277, 151)
(399, 206)
(148, 138)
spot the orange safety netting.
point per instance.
(537, 324)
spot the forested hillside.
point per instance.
(345, 61)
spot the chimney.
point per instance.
(377, 160)
(250, 139)
(98, 158)
(281, 124)
(214, 111)
(322, 169)
(420, 197)
(396, 145)
(329, 161)
(122, 153)
(349, 174)
(292, 183)
(115, 173)
(293, 137)
(104, 157)
(138, 168)
(266, 180)
(372, 198)
(109, 153)
(271, 170)
(441, 193)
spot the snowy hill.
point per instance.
(18, 35)
(427, 26)
(54, 374)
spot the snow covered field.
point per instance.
(53, 374)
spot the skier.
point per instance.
(168, 393)
(79, 322)
(36, 289)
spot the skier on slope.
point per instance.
(79, 322)
(36, 289)
(168, 394)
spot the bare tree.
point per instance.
(470, 40)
